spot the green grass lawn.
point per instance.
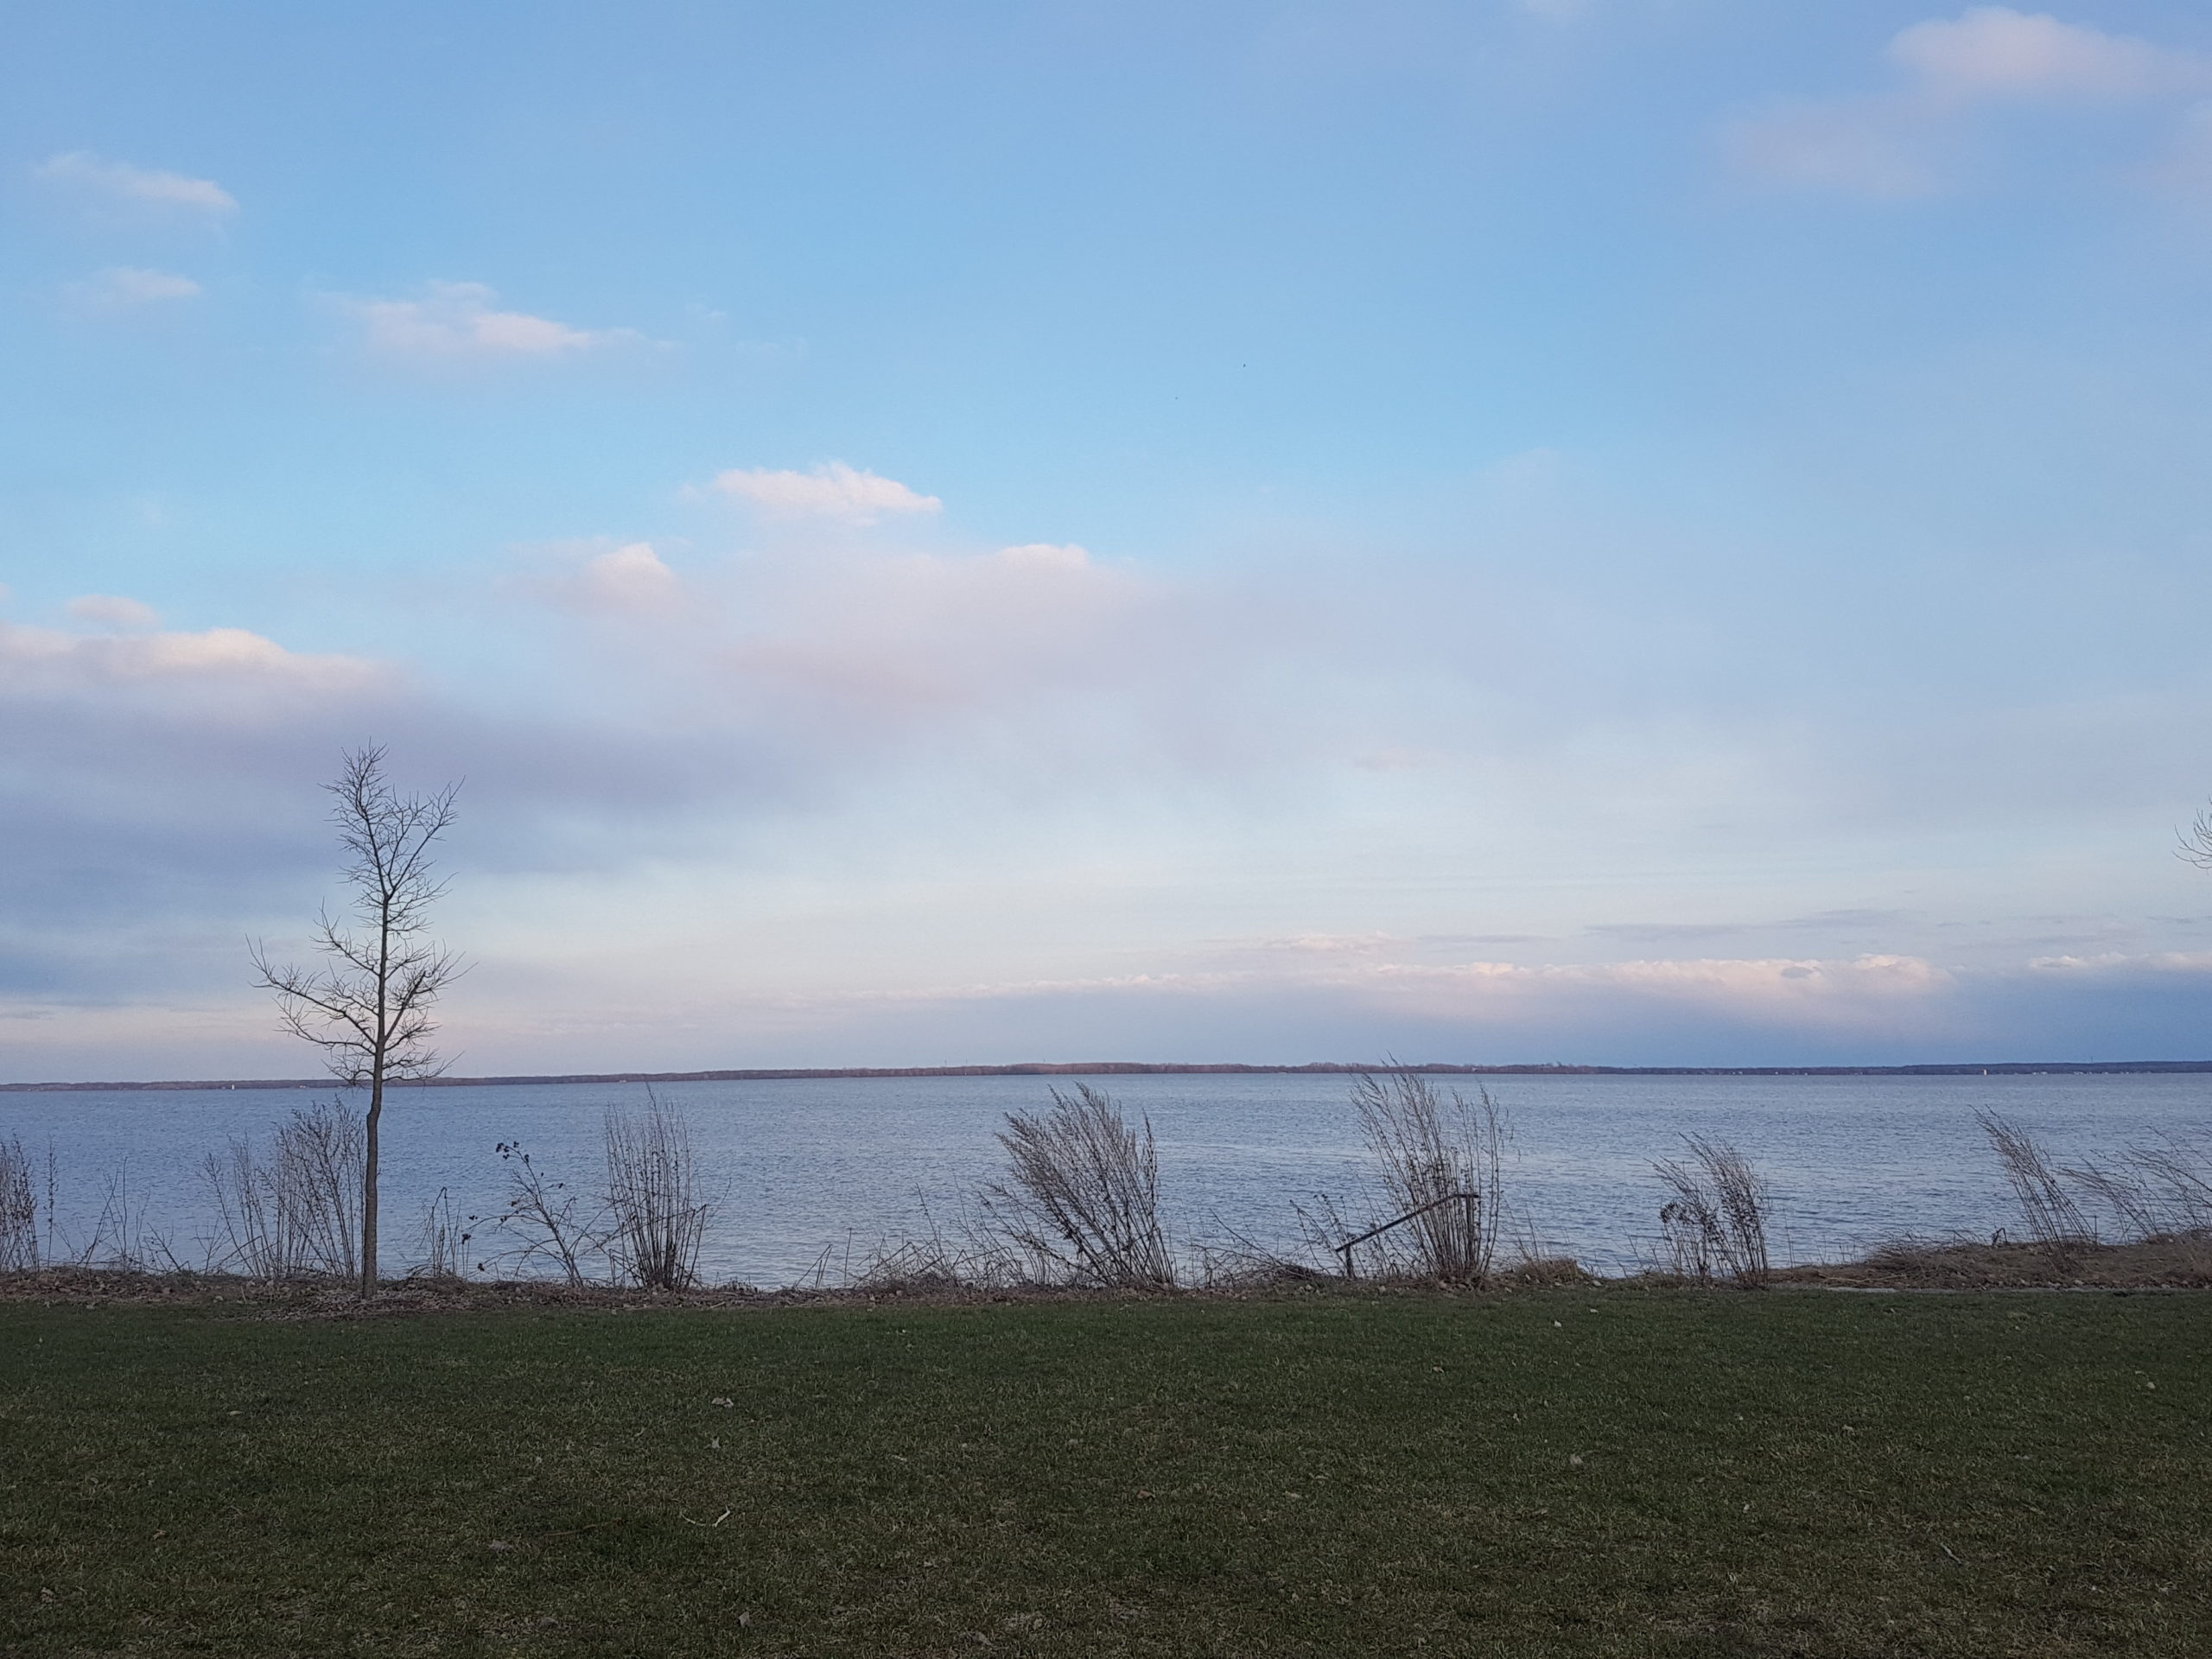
(1610, 1472)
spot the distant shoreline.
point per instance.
(1138, 1068)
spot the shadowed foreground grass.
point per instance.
(1557, 1473)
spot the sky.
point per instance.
(1614, 531)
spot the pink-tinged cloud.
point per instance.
(127, 288)
(1912, 140)
(44, 660)
(461, 321)
(114, 611)
(120, 184)
(832, 490)
(1994, 52)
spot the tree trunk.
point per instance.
(369, 1184)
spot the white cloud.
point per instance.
(1910, 141)
(112, 610)
(842, 648)
(1994, 52)
(2120, 964)
(832, 490)
(122, 286)
(120, 184)
(1875, 148)
(455, 322)
(44, 660)
(878, 643)
(1047, 556)
(1340, 980)
(2187, 167)
(630, 578)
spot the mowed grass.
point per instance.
(1591, 1473)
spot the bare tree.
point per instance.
(368, 1006)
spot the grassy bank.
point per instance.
(1565, 1473)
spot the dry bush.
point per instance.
(121, 1241)
(2161, 1194)
(19, 1251)
(1441, 1160)
(1080, 1201)
(969, 1252)
(441, 1242)
(2054, 1220)
(543, 1222)
(1716, 1224)
(656, 1218)
(296, 1215)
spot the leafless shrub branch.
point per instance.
(121, 1239)
(658, 1218)
(297, 1214)
(1082, 1197)
(967, 1255)
(543, 1222)
(2160, 1193)
(442, 1244)
(1431, 1149)
(19, 1248)
(1716, 1224)
(2054, 1220)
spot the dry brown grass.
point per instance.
(1968, 1264)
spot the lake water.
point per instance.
(836, 1165)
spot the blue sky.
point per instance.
(1627, 530)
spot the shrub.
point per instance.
(1716, 1224)
(1081, 1200)
(1441, 1160)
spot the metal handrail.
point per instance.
(1471, 1199)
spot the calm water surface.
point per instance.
(805, 1167)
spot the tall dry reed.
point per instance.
(1081, 1199)
(19, 1251)
(2054, 1220)
(295, 1213)
(1442, 1163)
(657, 1216)
(1716, 1224)
(2160, 1193)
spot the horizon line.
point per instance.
(1146, 1068)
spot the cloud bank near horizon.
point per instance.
(910, 775)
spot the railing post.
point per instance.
(1346, 1250)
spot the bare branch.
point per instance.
(2197, 841)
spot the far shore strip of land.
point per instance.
(1145, 1069)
